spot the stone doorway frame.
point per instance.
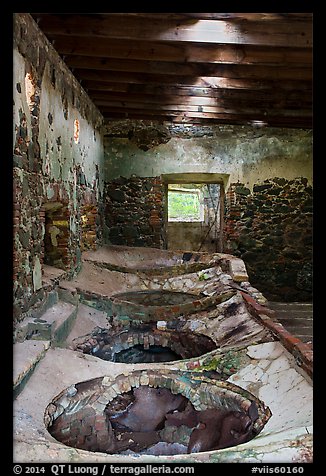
(194, 178)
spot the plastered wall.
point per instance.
(239, 153)
(58, 177)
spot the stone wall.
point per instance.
(133, 214)
(83, 429)
(271, 230)
(57, 174)
(28, 236)
(268, 211)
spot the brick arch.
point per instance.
(77, 417)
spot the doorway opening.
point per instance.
(194, 216)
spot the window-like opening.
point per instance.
(185, 203)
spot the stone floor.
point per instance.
(269, 367)
(296, 317)
(270, 374)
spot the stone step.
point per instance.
(306, 339)
(54, 325)
(36, 312)
(290, 319)
(304, 330)
(296, 317)
(52, 275)
(291, 306)
(68, 295)
(26, 356)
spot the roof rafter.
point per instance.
(202, 67)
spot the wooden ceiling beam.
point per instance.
(209, 121)
(251, 16)
(173, 91)
(220, 16)
(257, 120)
(101, 97)
(103, 88)
(284, 33)
(184, 53)
(107, 86)
(214, 83)
(260, 72)
(261, 112)
(234, 68)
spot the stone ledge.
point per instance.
(26, 355)
(54, 325)
(35, 312)
(257, 308)
(238, 270)
(302, 352)
(52, 275)
(68, 295)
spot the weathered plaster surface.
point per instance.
(283, 439)
(49, 166)
(243, 153)
(256, 362)
(59, 151)
(273, 378)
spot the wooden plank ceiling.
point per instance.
(233, 68)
